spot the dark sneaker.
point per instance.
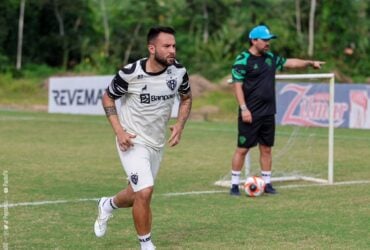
(269, 189)
(234, 190)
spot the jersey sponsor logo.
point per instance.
(147, 98)
(172, 84)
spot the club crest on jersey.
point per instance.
(172, 84)
(134, 178)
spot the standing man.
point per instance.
(253, 77)
(147, 89)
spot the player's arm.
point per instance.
(186, 101)
(239, 95)
(116, 89)
(111, 113)
(295, 63)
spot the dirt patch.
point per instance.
(200, 85)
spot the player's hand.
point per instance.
(317, 64)
(247, 116)
(176, 131)
(124, 140)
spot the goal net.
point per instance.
(304, 141)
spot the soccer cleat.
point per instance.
(100, 226)
(234, 190)
(269, 189)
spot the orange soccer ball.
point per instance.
(254, 186)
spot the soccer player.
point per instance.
(147, 89)
(253, 80)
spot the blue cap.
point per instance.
(261, 32)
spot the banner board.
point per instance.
(306, 104)
(302, 104)
(82, 95)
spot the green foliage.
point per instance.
(71, 34)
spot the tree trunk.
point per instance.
(106, 28)
(205, 17)
(311, 28)
(129, 47)
(298, 23)
(20, 34)
(60, 20)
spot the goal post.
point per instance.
(329, 179)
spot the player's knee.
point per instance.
(144, 194)
(242, 151)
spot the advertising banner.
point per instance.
(306, 104)
(82, 95)
(77, 95)
(302, 104)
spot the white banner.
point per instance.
(77, 95)
(82, 95)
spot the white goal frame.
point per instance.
(330, 179)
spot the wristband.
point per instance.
(243, 107)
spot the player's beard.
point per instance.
(163, 60)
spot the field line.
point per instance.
(40, 203)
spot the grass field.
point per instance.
(72, 160)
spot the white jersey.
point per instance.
(147, 99)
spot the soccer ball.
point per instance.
(254, 186)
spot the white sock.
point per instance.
(266, 176)
(109, 205)
(235, 177)
(146, 241)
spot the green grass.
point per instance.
(52, 157)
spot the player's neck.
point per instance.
(254, 51)
(152, 66)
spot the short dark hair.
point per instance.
(154, 32)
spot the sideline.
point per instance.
(40, 203)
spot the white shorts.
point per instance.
(141, 164)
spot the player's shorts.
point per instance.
(260, 131)
(141, 164)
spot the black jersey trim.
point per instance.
(118, 87)
(130, 70)
(178, 65)
(143, 66)
(185, 86)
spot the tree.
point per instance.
(311, 29)
(20, 34)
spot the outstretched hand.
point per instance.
(317, 64)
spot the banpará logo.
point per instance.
(147, 98)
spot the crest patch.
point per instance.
(134, 178)
(172, 84)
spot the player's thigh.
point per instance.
(155, 160)
(267, 131)
(136, 162)
(247, 134)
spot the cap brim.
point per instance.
(270, 37)
(265, 37)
